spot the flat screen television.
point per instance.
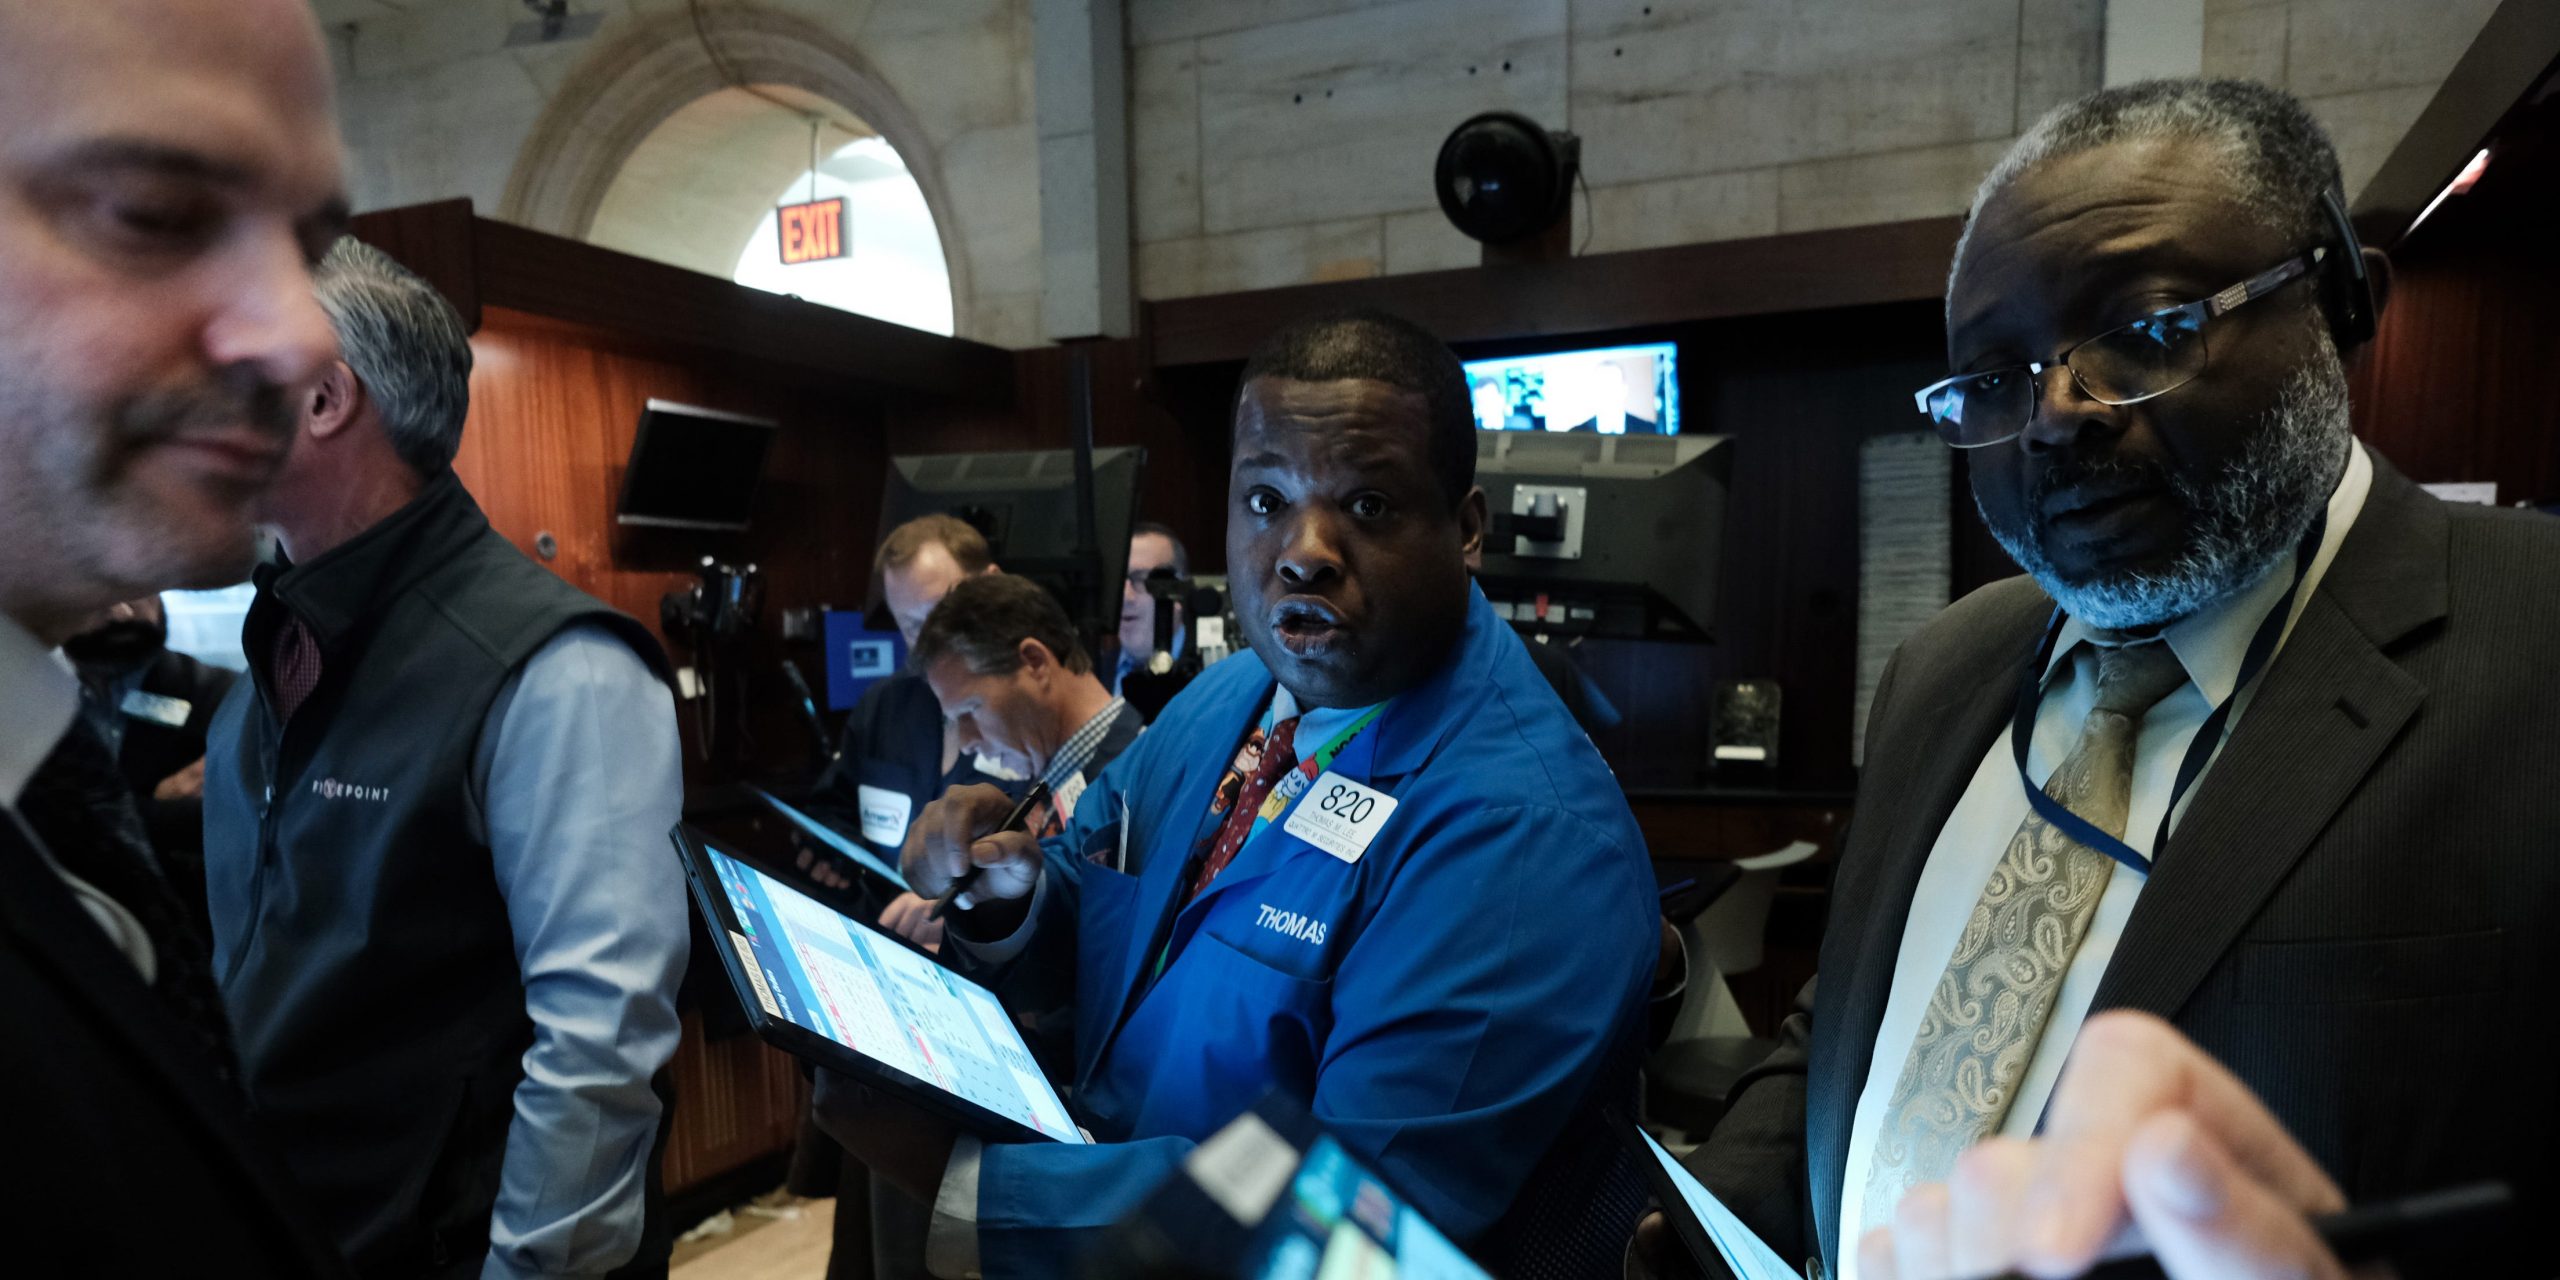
(1633, 390)
(694, 468)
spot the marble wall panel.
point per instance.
(1338, 116)
(2366, 126)
(1715, 206)
(1890, 187)
(1424, 241)
(1164, 140)
(1154, 20)
(1675, 88)
(2353, 46)
(2245, 41)
(2061, 54)
(1347, 249)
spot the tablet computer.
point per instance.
(853, 850)
(1707, 1229)
(1273, 1197)
(826, 987)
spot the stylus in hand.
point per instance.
(1030, 803)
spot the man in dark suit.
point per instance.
(151, 704)
(167, 170)
(2318, 974)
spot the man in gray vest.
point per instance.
(446, 923)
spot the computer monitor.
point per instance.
(1615, 536)
(1026, 505)
(694, 468)
(1624, 390)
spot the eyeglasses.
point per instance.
(2152, 356)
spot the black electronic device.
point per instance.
(1503, 178)
(694, 468)
(829, 989)
(1026, 505)
(1272, 1197)
(1615, 536)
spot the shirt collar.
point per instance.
(1077, 751)
(42, 697)
(1317, 725)
(2213, 644)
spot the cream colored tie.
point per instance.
(1987, 1013)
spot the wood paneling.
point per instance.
(480, 263)
(2459, 381)
(736, 1099)
(1807, 271)
(554, 409)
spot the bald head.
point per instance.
(169, 170)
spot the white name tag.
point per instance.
(1340, 816)
(884, 815)
(1067, 794)
(157, 708)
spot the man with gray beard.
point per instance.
(2201, 877)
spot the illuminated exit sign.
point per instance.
(811, 232)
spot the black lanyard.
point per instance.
(2022, 726)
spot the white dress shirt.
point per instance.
(41, 698)
(2211, 646)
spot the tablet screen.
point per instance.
(849, 984)
(1341, 1223)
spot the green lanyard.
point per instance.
(1300, 777)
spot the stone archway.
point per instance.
(622, 92)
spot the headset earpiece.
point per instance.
(2346, 283)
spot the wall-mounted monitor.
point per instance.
(694, 468)
(1608, 391)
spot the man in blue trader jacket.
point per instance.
(1374, 864)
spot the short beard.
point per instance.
(2241, 523)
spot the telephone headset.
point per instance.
(2346, 291)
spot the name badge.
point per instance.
(1340, 816)
(884, 815)
(157, 708)
(1066, 795)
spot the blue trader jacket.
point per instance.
(1452, 1003)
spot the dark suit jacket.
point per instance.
(122, 1154)
(2359, 913)
(152, 751)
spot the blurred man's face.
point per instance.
(169, 170)
(1148, 552)
(913, 590)
(122, 637)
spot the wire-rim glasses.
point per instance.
(2152, 356)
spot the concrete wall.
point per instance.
(1285, 141)
(1278, 142)
(435, 106)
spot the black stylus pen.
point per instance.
(2372, 1232)
(1030, 803)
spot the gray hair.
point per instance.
(407, 346)
(2275, 156)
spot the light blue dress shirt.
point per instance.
(578, 779)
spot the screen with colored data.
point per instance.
(853, 985)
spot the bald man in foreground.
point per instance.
(169, 170)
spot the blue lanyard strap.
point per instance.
(2022, 725)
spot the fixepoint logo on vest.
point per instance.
(332, 789)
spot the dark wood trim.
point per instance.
(1807, 271)
(2515, 50)
(479, 262)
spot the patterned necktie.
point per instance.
(296, 666)
(82, 809)
(1987, 1014)
(1279, 756)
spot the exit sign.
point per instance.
(811, 232)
